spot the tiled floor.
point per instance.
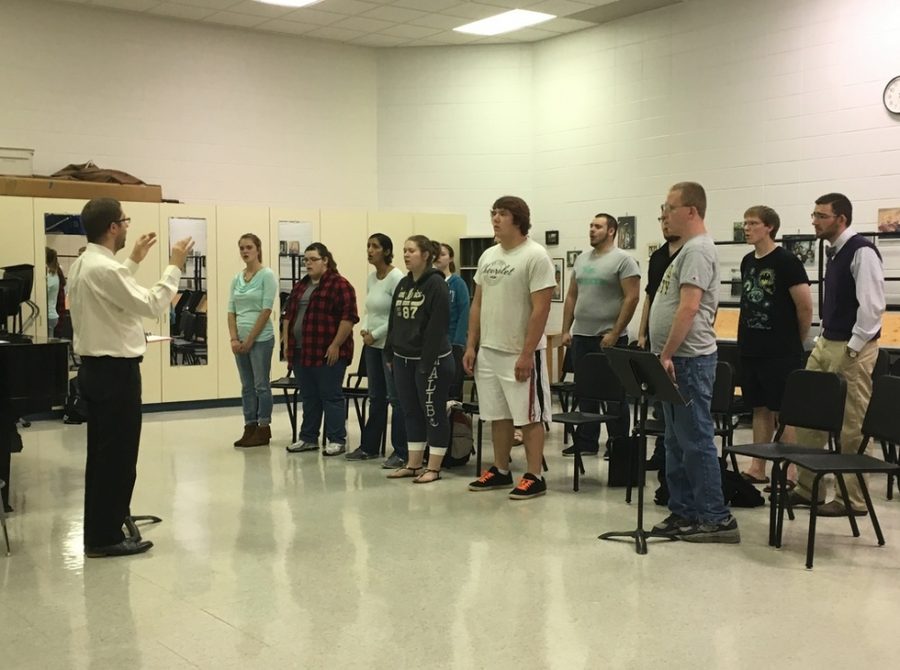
(271, 560)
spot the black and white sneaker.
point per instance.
(491, 479)
(724, 532)
(671, 526)
(528, 487)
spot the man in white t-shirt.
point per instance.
(514, 283)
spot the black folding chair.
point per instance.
(882, 423)
(594, 380)
(354, 392)
(565, 390)
(722, 409)
(813, 400)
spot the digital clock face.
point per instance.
(892, 96)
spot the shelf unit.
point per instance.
(470, 250)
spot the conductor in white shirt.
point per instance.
(107, 306)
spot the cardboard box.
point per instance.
(16, 161)
(44, 187)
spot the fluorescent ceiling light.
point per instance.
(290, 3)
(506, 22)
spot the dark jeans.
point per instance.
(111, 388)
(424, 399)
(588, 436)
(381, 392)
(320, 392)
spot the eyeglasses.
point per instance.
(500, 212)
(822, 216)
(666, 208)
(307, 259)
(127, 219)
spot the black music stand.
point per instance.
(643, 377)
(132, 521)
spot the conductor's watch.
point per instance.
(851, 353)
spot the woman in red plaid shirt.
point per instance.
(319, 318)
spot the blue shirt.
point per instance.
(248, 299)
(459, 310)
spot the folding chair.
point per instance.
(565, 390)
(882, 423)
(594, 380)
(798, 409)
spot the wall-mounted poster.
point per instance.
(738, 227)
(889, 220)
(803, 247)
(571, 256)
(627, 232)
(559, 271)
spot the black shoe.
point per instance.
(654, 463)
(126, 547)
(528, 487)
(724, 532)
(359, 454)
(836, 508)
(794, 499)
(570, 451)
(491, 479)
(671, 526)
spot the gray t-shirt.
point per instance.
(301, 313)
(696, 265)
(599, 279)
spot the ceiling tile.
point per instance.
(566, 25)
(362, 24)
(560, 7)
(257, 9)
(474, 10)
(410, 31)
(131, 5)
(427, 5)
(439, 21)
(348, 7)
(331, 33)
(290, 27)
(315, 16)
(395, 14)
(211, 4)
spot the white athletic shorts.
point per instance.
(501, 397)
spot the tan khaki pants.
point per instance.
(831, 356)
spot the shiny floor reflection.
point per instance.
(274, 560)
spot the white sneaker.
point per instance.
(334, 448)
(300, 445)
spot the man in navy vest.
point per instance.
(848, 345)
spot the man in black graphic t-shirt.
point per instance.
(776, 312)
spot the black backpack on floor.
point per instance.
(738, 492)
(461, 442)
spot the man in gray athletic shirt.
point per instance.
(603, 295)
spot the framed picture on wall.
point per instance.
(801, 246)
(559, 272)
(571, 256)
(738, 227)
(889, 220)
(627, 232)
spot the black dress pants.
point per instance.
(111, 388)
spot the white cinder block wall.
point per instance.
(213, 114)
(771, 101)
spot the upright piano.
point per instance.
(34, 376)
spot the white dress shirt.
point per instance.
(868, 273)
(108, 305)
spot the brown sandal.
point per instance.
(419, 480)
(406, 472)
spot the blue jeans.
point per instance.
(256, 394)
(320, 393)
(692, 462)
(381, 391)
(588, 436)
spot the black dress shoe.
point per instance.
(126, 547)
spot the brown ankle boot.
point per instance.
(249, 429)
(259, 438)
